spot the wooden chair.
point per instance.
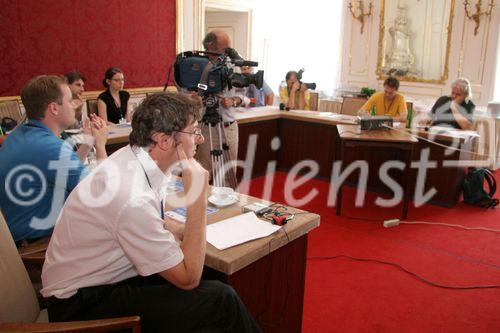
(19, 307)
(91, 107)
(351, 105)
(11, 109)
(313, 101)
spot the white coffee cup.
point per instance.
(222, 193)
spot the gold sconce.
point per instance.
(476, 17)
(361, 16)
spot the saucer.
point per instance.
(230, 200)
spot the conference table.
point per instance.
(267, 273)
(353, 140)
(314, 136)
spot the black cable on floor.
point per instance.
(418, 277)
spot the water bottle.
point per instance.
(92, 159)
(409, 116)
(374, 110)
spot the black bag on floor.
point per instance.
(8, 124)
(473, 187)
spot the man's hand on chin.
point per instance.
(176, 228)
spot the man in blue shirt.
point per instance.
(38, 169)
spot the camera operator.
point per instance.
(294, 94)
(218, 41)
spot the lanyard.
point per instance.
(162, 209)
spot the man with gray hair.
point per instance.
(457, 109)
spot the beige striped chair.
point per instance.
(19, 307)
(11, 109)
(351, 105)
(91, 106)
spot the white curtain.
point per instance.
(496, 92)
(290, 35)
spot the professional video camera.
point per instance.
(311, 86)
(209, 73)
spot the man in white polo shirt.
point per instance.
(112, 254)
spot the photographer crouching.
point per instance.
(295, 94)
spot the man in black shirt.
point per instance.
(455, 110)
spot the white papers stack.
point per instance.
(238, 230)
(453, 131)
(344, 118)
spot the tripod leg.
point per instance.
(212, 156)
(222, 160)
(228, 169)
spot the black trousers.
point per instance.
(212, 307)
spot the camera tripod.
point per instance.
(222, 170)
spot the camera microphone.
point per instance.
(232, 53)
(241, 63)
(238, 60)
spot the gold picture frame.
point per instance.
(381, 75)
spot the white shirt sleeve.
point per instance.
(140, 232)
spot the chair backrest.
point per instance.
(91, 106)
(18, 301)
(10, 109)
(313, 101)
(351, 105)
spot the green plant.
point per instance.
(367, 91)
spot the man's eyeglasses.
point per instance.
(197, 131)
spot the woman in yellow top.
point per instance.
(389, 102)
(295, 95)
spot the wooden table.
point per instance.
(268, 273)
(313, 135)
(355, 141)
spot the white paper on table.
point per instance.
(238, 230)
(341, 117)
(465, 134)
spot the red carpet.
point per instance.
(343, 295)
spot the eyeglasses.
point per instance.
(197, 131)
(118, 80)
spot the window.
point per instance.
(496, 92)
(290, 35)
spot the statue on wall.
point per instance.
(399, 60)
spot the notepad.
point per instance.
(238, 230)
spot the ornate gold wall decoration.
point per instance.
(361, 8)
(476, 17)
